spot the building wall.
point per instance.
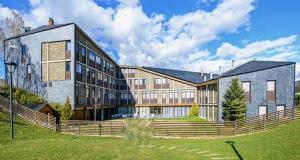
(138, 102)
(284, 77)
(96, 81)
(53, 91)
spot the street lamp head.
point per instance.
(11, 66)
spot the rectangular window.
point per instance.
(83, 51)
(280, 109)
(98, 60)
(23, 50)
(68, 68)
(247, 91)
(29, 72)
(262, 110)
(271, 91)
(68, 46)
(164, 95)
(78, 68)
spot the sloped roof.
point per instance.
(193, 77)
(40, 29)
(37, 107)
(253, 66)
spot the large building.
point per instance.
(60, 61)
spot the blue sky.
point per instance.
(194, 35)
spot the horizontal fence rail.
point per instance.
(100, 128)
(30, 115)
(165, 128)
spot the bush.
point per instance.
(194, 111)
(137, 131)
(22, 96)
(66, 111)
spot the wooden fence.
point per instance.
(185, 129)
(30, 115)
(100, 128)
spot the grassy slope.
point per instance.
(37, 143)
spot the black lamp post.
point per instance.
(11, 66)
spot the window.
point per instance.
(92, 56)
(145, 95)
(280, 109)
(165, 81)
(247, 91)
(68, 46)
(142, 81)
(23, 56)
(83, 51)
(29, 72)
(98, 60)
(262, 110)
(23, 50)
(271, 91)
(163, 95)
(78, 68)
(68, 68)
(153, 95)
(183, 94)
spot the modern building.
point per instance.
(60, 61)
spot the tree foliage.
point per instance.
(66, 111)
(9, 27)
(194, 110)
(22, 96)
(234, 106)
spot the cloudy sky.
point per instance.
(191, 35)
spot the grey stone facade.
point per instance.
(60, 90)
(284, 77)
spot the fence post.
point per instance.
(100, 128)
(78, 128)
(264, 116)
(235, 127)
(221, 131)
(111, 129)
(35, 116)
(48, 119)
(248, 123)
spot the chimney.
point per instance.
(26, 29)
(202, 72)
(254, 59)
(204, 78)
(232, 62)
(220, 70)
(211, 75)
(50, 22)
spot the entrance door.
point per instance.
(262, 110)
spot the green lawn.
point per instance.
(36, 143)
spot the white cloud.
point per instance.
(154, 40)
(254, 48)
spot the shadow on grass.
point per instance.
(232, 144)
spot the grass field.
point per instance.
(37, 143)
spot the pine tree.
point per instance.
(194, 111)
(234, 106)
(66, 111)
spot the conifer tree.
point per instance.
(194, 111)
(234, 106)
(66, 111)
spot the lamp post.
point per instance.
(11, 66)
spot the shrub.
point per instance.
(234, 106)
(22, 96)
(66, 111)
(137, 131)
(194, 110)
